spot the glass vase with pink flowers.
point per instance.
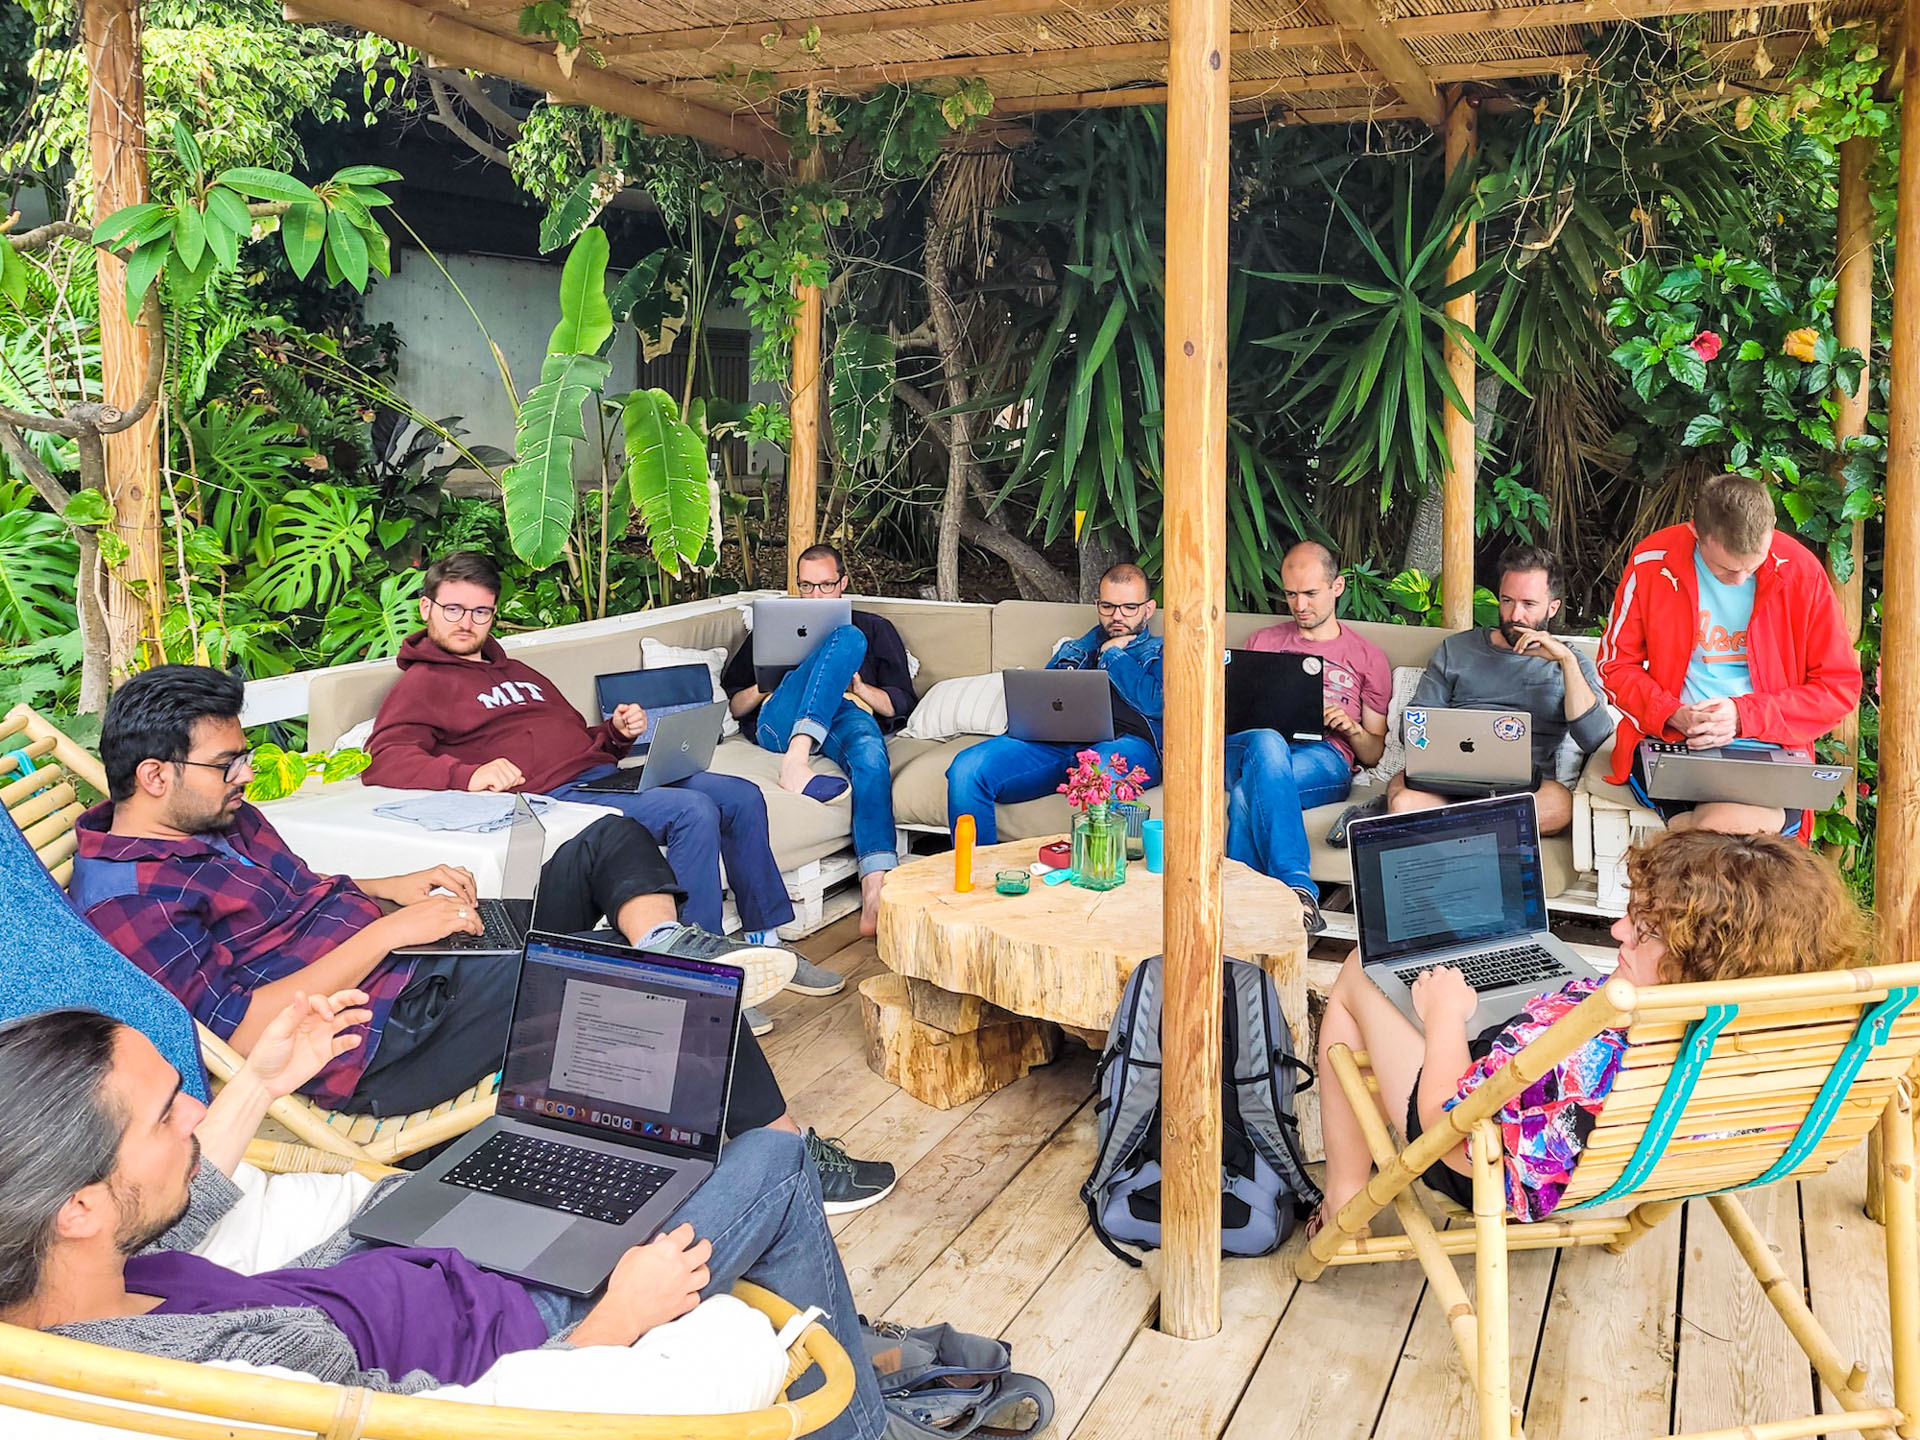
(1094, 785)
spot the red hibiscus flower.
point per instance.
(1706, 345)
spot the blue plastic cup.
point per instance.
(1153, 837)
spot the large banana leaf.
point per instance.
(586, 319)
(860, 392)
(667, 473)
(539, 485)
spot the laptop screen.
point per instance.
(1445, 877)
(642, 1046)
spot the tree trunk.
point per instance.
(948, 341)
(116, 140)
(1423, 541)
(1096, 558)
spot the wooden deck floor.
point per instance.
(986, 1231)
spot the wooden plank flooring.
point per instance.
(986, 1230)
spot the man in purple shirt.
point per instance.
(1270, 783)
(103, 1191)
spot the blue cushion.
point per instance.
(51, 959)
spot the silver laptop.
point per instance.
(1276, 690)
(507, 920)
(682, 744)
(612, 1104)
(1469, 752)
(1059, 706)
(1459, 886)
(1790, 777)
(787, 629)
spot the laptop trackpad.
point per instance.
(497, 1233)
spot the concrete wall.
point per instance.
(446, 368)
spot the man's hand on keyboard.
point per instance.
(418, 885)
(652, 1284)
(1442, 995)
(431, 919)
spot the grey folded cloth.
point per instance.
(476, 812)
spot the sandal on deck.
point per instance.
(1318, 1221)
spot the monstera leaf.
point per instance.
(860, 392)
(667, 473)
(38, 559)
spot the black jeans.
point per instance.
(447, 1030)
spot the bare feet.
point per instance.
(796, 769)
(870, 902)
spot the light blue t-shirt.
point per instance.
(1718, 669)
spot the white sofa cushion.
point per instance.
(964, 705)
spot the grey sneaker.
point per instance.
(847, 1184)
(758, 1021)
(768, 967)
(811, 979)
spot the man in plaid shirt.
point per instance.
(194, 885)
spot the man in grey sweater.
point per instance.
(1518, 665)
(109, 1173)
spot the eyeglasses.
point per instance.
(817, 587)
(231, 769)
(1642, 935)
(1128, 608)
(482, 614)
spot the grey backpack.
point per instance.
(1265, 1188)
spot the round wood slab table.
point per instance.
(970, 963)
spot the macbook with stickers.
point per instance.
(1469, 753)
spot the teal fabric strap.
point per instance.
(1695, 1049)
(1869, 1035)
(23, 761)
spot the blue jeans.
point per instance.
(760, 1209)
(812, 701)
(1004, 768)
(1270, 787)
(699, 822)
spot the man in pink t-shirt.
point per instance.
(1270, 783)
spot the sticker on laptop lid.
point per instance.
(1510, 727)
(1416, 719)
(1826, 774)
(1418, 741)
(1310, 665)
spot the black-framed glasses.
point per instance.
(1128, 608)
(482, 614)
(817, 587)
(231, 769)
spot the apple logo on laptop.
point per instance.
(1466, 747)
(801, 633)
(1059, 705)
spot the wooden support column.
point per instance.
(803, 455)
(1897, 851)
(1456, 509)
(1195, 590)
(1853, 325)
(116, 144)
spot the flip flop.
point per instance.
(825, 788)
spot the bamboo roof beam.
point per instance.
(1390, 54)
(973, 12)
(453, 42)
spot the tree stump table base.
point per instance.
(976, 973)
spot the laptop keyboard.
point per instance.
(497, 932)
(1497, 969)
(568, 1178)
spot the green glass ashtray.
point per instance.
(1012, 882)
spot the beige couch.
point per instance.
(947, 640)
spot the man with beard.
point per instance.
(109, 1172)
(1120, 644)
(1518, 665)
(195, 886)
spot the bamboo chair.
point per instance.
(86, 1379)
(41, 797)
(1724, 1086)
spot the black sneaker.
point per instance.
(1310, 915)
(1366, 809)
(847, 1184)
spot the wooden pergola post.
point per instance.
(116, 143)
(1896, 870)
(1456, 510)
(803, 455)
(1195, 589)
(1853, 326)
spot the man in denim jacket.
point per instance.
(1010, 770)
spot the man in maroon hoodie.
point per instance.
(468, 716)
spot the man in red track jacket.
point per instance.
(1723, 630)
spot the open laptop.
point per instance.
(682, 745)
(659, 692)
(1270, 690)
(612, 1104)
(1059, 706)
(787, 629)
(1461, 886)
(507, 920)
(1469, 753)
(1791, 777)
